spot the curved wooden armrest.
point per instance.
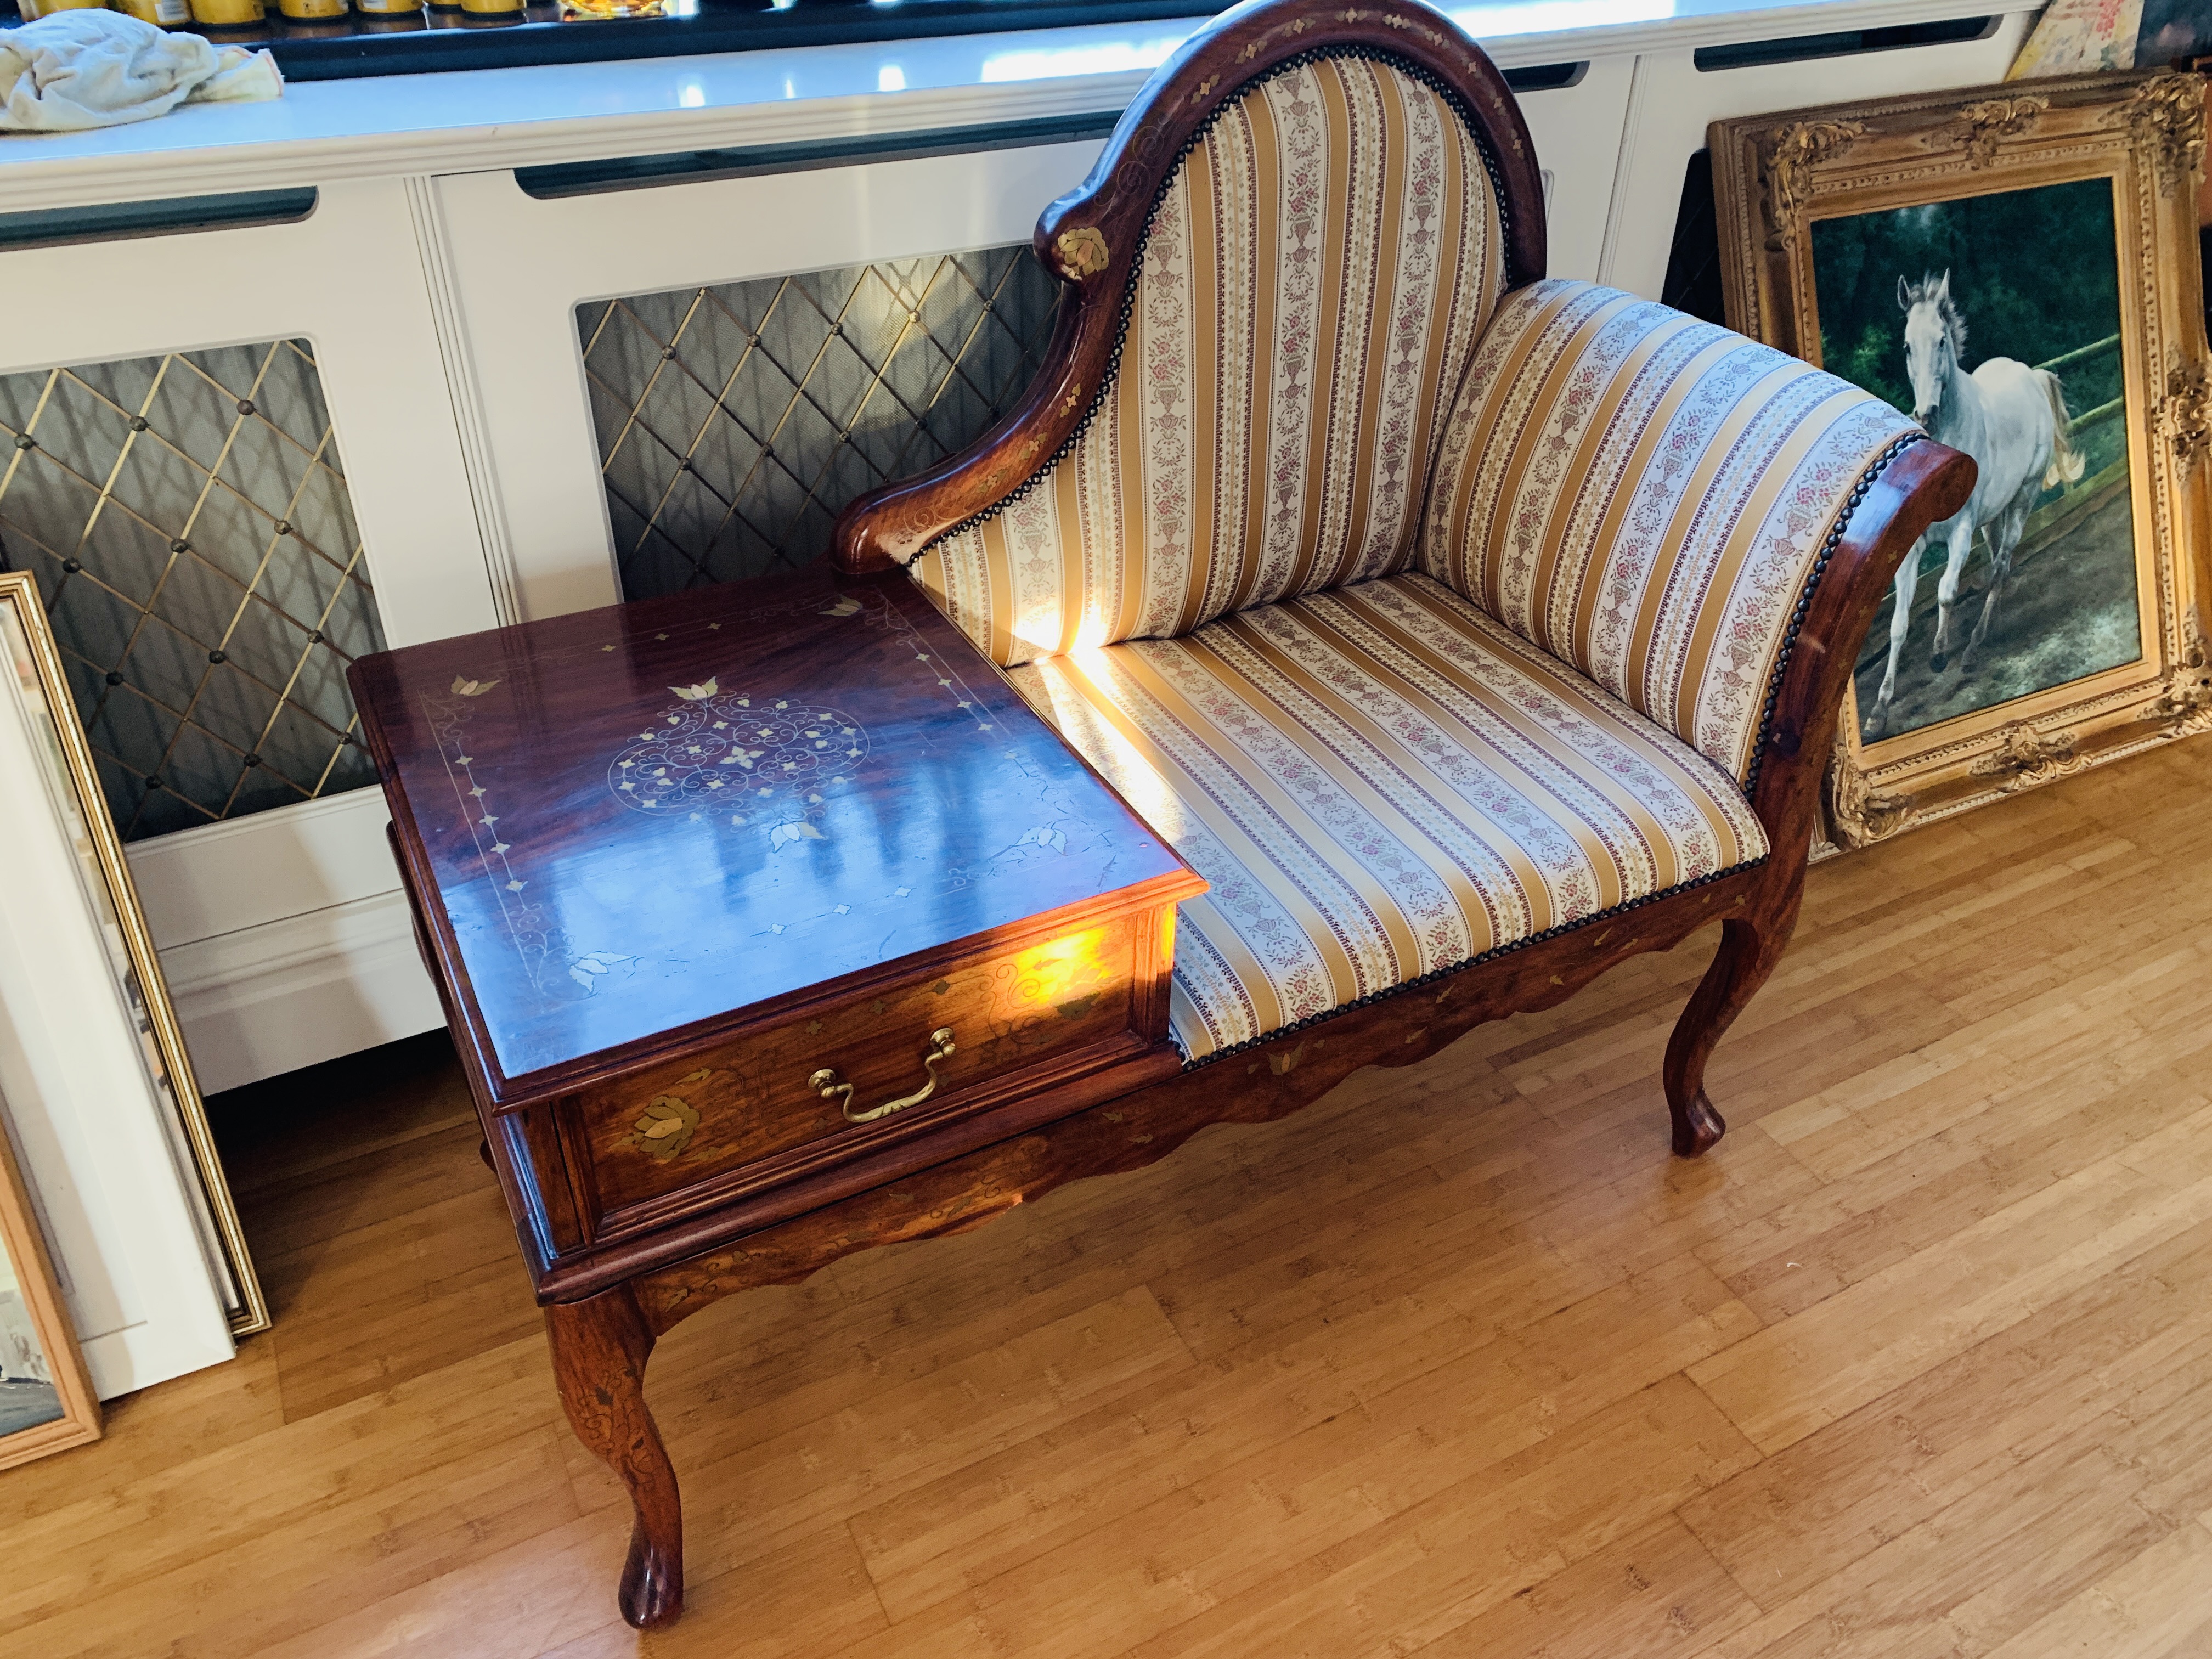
(1923, 485)
(1089, 238)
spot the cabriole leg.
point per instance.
(599, 1349)
(1749, 949)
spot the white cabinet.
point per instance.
(441, 301)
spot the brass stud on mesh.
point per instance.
(203, 785)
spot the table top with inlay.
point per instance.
(639, 818)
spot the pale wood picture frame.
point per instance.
(41, 1369)
(165, 1123)
(1779, 177)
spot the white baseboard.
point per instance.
(284, 938)
(297, 991)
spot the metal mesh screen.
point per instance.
(734, 422)
(187, 522)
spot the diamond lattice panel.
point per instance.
(735, 421)
(187, 522)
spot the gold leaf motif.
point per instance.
(2024, 757)
(2184, 703)
(466, 687)
(2167, 112)
(1082, 252)
(1786, 160)
(2185, 413)
(1204, 89)
(665, 1124)
(1992, 121)
(1859, 814)
(698, 693)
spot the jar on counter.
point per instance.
(227, 14)
(311, 11)
(163, 14)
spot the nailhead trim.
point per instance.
(1880, 465)
(1491, 955)
(1457, 104)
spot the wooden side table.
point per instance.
(741, 903)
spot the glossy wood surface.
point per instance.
(1089, 238)
(628, 823)
(1458, 1363)
(671, 1126)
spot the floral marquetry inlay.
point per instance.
(639, 819)
(667, 1123)
(1083, 252)
(745, 760)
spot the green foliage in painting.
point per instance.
(2036, 272)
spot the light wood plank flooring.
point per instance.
(1458, 1363)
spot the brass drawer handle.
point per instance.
(825, 1084)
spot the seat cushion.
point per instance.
(1380, 782)
(1307, 294)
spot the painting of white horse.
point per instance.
(2012, 419)
(1995, 321)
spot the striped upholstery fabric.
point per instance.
(1643, 495)
(1311, 286)
(1379, 781)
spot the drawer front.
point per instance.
(754, 1100)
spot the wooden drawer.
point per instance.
(749, 1112)
(852, 835)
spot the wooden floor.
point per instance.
(1458, 1363)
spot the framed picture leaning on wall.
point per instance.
(46, 1402)
(2016, 267)
(95, 1086)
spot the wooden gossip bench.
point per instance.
(1350, 638)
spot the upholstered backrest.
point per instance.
(1311, 285)
(1644, 496)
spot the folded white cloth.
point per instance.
(98, 69)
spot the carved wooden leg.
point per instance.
(1749, 949)
(599, 1349)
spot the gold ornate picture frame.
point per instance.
(46, 1402)
(39, 686)
(2016, 266)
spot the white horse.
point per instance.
(2012, 420)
